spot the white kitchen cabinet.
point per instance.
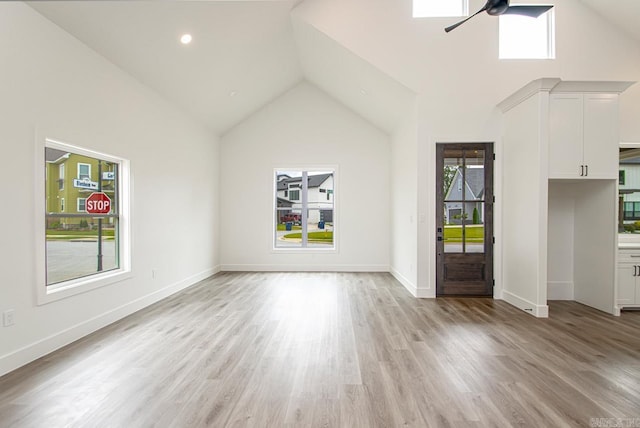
(628, 286)
(583, 136)
(560, 138)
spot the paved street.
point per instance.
(73, 259)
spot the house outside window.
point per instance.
(82, 250)
(304, 217)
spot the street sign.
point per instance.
(98, 203)
(85, 184)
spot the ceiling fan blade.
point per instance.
(531, 11)
(457, 24)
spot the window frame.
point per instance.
(79, 175)
(47, 294)
(336, 217)
(84, 203)
(61, 172)
(550, 36)
(626, 239)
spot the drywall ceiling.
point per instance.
(624, 14)
(242, 55)
(245, 54)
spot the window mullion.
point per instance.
(305, 207)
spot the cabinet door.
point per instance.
(627, 284)
(601, 135)
(565, 136)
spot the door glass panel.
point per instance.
(453, 197)
(464, 189)
(474, 230)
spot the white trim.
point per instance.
(532, 88)
(65, 289)
(302, 268)
(560, 290)
(40, 348)
(421, 293)
(538, 311)
(335, 201)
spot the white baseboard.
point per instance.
(302, 268)
(560, 290)
(32, 352)
(539, 311)
(410, 286)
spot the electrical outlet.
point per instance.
(8, 318)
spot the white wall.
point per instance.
(560, 240)
(524, 206)
(53, 85)
(305, 128)
(404, 212)
(460, 80)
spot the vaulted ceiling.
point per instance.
(245, 54)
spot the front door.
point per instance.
(464, 219)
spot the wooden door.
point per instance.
(464, 219)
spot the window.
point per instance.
(84, 171)
(81, 205)
(629, 191)
(81, 250)
(522, 37)
(440, 8)
(307, 218)
(61, 177)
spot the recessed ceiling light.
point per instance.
(186, 39)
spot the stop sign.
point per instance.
(98, 203)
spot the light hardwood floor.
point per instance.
(334, 350)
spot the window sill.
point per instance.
(307, 250)
(74, 287)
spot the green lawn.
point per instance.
(312, 236)
(76, 234)
(282, 226)
(474, 233)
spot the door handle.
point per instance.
(586, 170)
(635, 270)
(581, 170)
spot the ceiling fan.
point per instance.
(501, 7)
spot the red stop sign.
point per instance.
(98, 203)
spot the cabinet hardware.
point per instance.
(635, 270)
(635, 255)
(586, 170)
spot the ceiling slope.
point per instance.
(624, 14)
(242, 56)
(351, 80)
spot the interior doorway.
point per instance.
(464, 219)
